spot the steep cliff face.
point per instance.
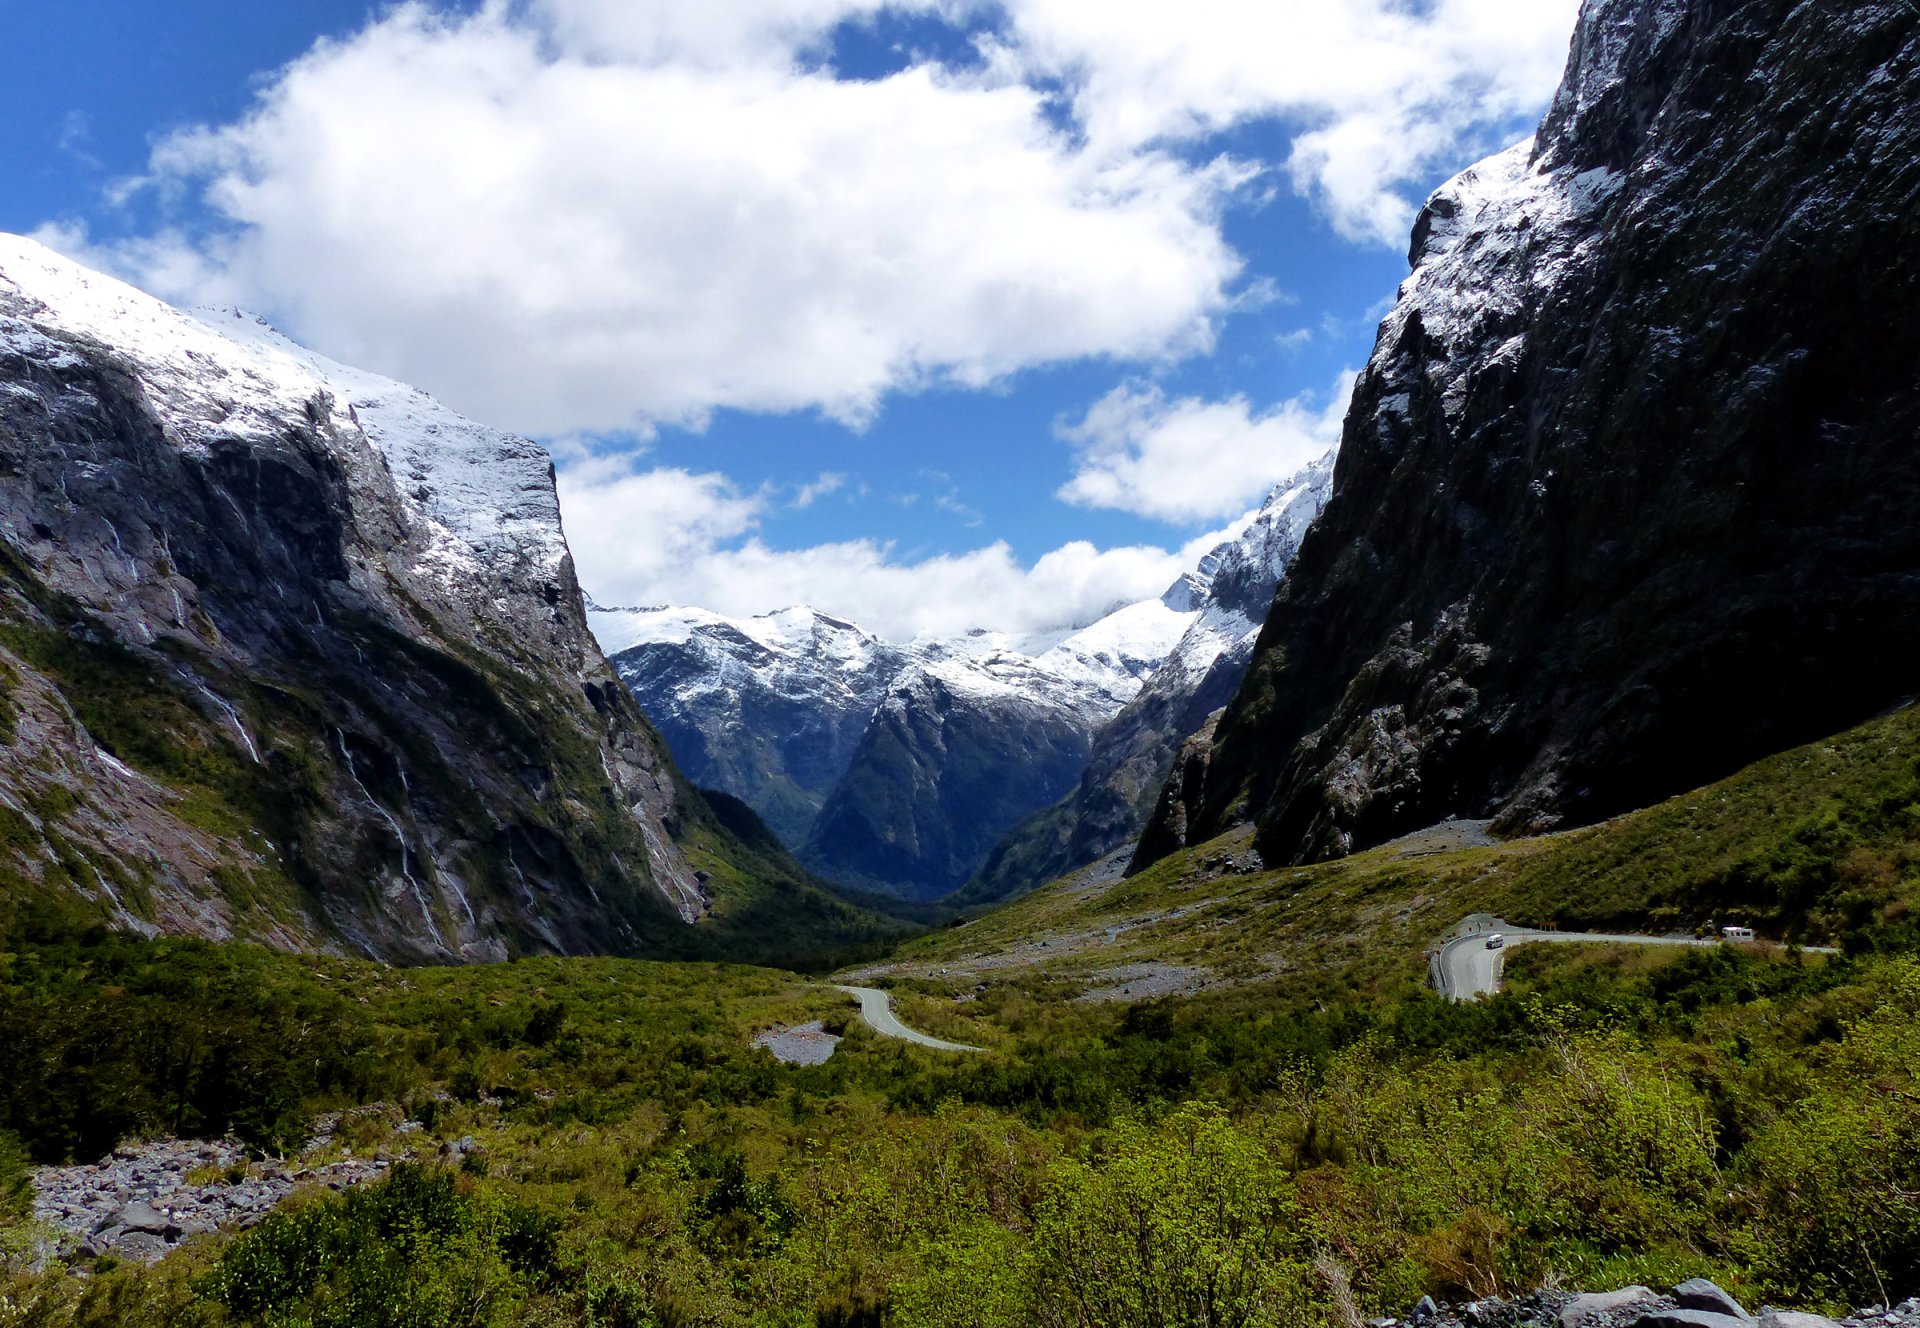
(1627, 493)
(1131, 756)
(292, 652)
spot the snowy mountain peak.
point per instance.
(483, 500)
(798, 712)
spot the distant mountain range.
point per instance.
(898, 767)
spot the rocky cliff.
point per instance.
(292, 652)
(1131, 756)
(1627, 493)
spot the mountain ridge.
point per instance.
(1622, 496)
(889, 764)
(291, 651)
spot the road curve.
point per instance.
(876, 1007)
(1463, 967)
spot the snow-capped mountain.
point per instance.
(301, 653)
(1627, 488)
(900, 765)
(1133, 752)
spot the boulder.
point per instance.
(1697, 1293)
(142, 1245)
(1794, 1319)
(1686, 1318)
(144, 1217)
(1582, 1308)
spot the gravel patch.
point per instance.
(803, 1044)
(144, 1198)
(1145, 982)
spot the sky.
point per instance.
(935, 315)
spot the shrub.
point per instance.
(1186, 1223)
(414, 1251)
(16, 1185)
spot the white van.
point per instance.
(1496, 941)
(1736, 934)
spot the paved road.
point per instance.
(876, 1007)
(1464, 968)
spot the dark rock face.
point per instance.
(939, 775)
(1627, 496)
(291, 653)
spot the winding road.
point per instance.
(876, 1007)
(1464, 968)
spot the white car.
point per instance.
(1496, 941)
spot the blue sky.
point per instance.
(936, 315)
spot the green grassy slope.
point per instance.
(1301, 1117)
(1818, 845)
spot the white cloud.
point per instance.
(1379, 92)
(566, 218)
(1193, 460)
(567, 215)
(633, 532)
(668, 536)
(813, 491)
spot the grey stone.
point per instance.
(142, 1245)
(1794, 1319)
(1697, 1293)
(1686, 1318)
(147, 1218)
(1425, 1310)
(1581, 1308)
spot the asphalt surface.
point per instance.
(1465, 968)
(876, 1007)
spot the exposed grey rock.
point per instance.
(1688, 1318)
(1772, 1318)
(1626, 496)
(1583, 1308)
(803, 1044)
(1697, 1293)
(142, 1199)
(144, 1217)
(343, 595)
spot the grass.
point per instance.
(1818, 845)
(1746, 1113)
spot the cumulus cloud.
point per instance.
(596, 214)
(1376, 92)
(578, 216)
(668, 536)
(1193, 460)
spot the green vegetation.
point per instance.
(1310, 1130)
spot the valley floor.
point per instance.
(1212, 1088)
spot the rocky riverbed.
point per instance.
(147, 1197)
(1696, 1303)
(803, 1044)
